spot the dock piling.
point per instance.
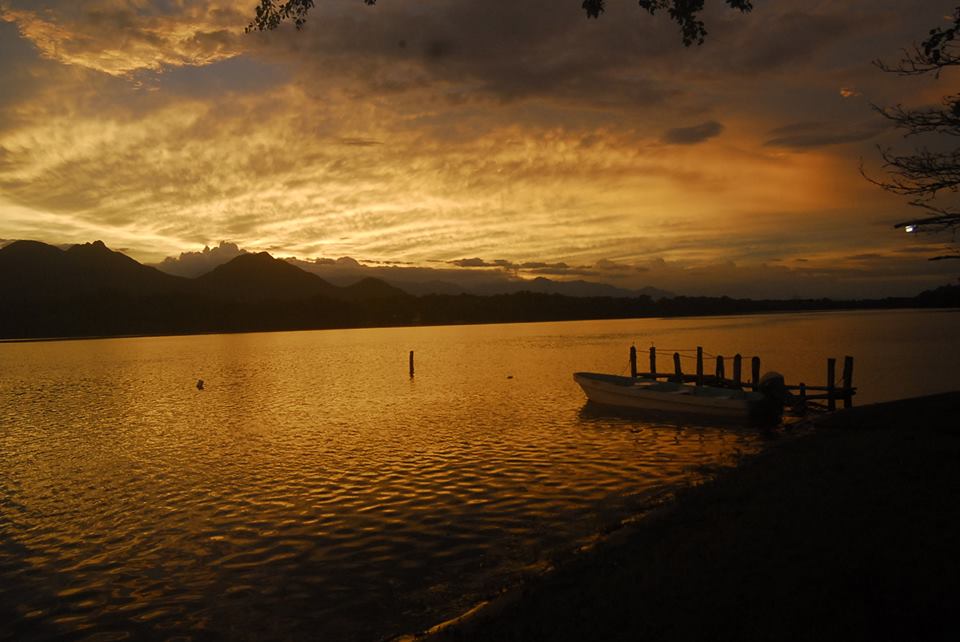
(721, 375)
(699, 366)
(653, 361)
(411, 364)
(633, 361)
(847, 381)
(676, 367)
(755, 372)
(737, 370)
(831, 384)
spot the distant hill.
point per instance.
(260, 277)
(368, 289)
(581, 288)
(29, 269)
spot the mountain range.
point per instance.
(34, 270)
(90, 290)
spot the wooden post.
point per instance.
(737, 370)
(721, 375)
(831, 384)
(411, 364)
(847, 382)
(653, 361)
(803, 397)
(676, 367)
(699, 366)
(755, 372)
(633, 361)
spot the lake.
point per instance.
(314, 490)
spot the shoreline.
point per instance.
(752, 553)
(100, 337)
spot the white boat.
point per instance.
(679, 398)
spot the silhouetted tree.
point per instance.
(271, 13)
(923, 174)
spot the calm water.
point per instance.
(314, 491)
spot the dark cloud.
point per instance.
(795, 37)
(360, 142)
(819, 134)
(472, 263)
(612, 266)
(694, 134)
(239, 74)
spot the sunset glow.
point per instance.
(430, 132)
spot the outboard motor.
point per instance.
(773, 387)
(776, 396)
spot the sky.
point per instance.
(520, 139)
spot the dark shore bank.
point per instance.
(849, 533)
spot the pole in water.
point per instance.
(847, 382)
(737, 366)
(199, 384)
(678, 373)
(633, 362)
(755, 372)
(653, 361)
(411, 364)
(831, 384)
(699, 366)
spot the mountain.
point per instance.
(543, 285)
(29, 269)
(260, 277)
(369, 289)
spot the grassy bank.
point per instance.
(849, 533)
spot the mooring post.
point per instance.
(803, 397)
(831, 384)
(653, 362)
(676, 367)
(847, 382)
(755, 372)
(411, 364)
(737, 370)
(699, 366)
(721, 375)
(633, 361)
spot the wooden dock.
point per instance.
(830, 392)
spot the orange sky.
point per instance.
(432, 131)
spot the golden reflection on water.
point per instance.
(314, 489)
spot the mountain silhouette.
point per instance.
(368, 289)
(260, 277)
(90, 290)
(29, 269)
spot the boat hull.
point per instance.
(675, 398)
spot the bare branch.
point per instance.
(933, 55)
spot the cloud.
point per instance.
(120, 38)
(471, 263)
(539, 265)
(607, 265)
(819, 134)
(192, 264)
(693, 135)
